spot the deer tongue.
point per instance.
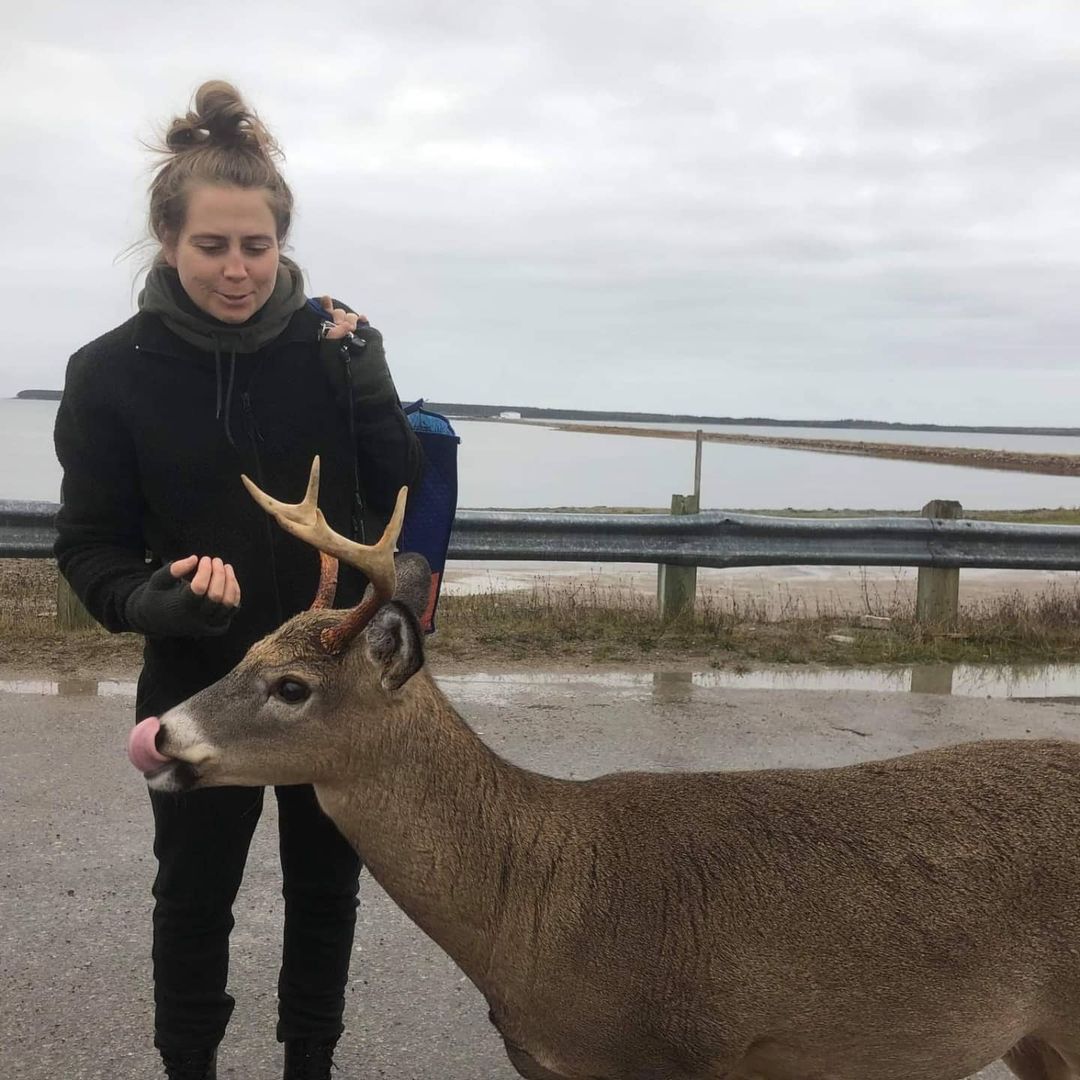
(142, 746)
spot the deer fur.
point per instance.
(909, 919)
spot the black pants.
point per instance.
(201, 842)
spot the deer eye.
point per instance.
(291, 691)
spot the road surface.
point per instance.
(76, 863)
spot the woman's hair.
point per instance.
(220, 141)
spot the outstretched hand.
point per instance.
(214, 579)
(170, 604)
(345, 322)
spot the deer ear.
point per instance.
(413, 584)
(393, 643)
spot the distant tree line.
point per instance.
(528, 412)
(460, 411)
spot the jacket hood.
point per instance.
(163, 295)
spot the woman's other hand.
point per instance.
(345, 322)
(171, 605)
(214, 579)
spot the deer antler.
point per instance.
(306, 521)
(327, 589)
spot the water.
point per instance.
(1030, 444)
(1023, 682)
(526, 465)
(28, 467)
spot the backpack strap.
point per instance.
(430, 511)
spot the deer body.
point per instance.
(898, 920)
(909, 919)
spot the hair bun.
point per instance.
(220, 117)
(185, 132)
(218, 141)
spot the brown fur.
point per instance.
(908, 919)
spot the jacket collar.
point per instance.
(152, 335)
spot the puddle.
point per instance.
(962, 680)
(68, 687)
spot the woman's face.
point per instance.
(227, 251)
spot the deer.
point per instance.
(914, 918)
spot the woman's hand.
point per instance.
(213, 579)
(170, 604)
(345, 322)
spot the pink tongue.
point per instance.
(142, 750)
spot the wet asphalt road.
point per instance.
(76, 862)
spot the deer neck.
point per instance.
(436, 817)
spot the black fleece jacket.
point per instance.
(152, 474)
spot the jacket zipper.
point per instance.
(358, 502)
(254, 438)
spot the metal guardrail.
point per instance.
(712, 538)
(27, 529)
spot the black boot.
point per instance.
(309, 1059)
(190, 1064)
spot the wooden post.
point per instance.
(937, 598)
(677, 585)
(70, 614)
(697, 466)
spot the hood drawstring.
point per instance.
(227, 406)
(165, 297)
(217, 376)
(228, 396)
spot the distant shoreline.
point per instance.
(967, 457)
(462, 411)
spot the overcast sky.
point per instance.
(847, 209)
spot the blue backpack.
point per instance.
(429, 513)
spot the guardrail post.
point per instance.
(70, 613)
(937, 597)
(676, 586)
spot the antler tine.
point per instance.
(306, 521)
(379, 558)
(302, 518)
(378, 564)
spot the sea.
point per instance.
(516, 465)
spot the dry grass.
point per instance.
(605, 623)
(585, 620)
(30, 641)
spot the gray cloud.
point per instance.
(853, 209)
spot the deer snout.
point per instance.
(142, 746)
(169, 751)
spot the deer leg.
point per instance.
(1035, 1059)
(527, 1067)
(1069, 1049)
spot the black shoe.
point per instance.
(190, 1064)
(309, 1059)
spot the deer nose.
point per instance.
(142, 746)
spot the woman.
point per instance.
(226, 369)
